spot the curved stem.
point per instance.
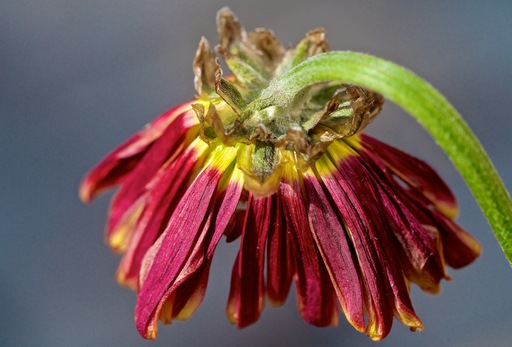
(423, 102)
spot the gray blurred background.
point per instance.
(79, 77)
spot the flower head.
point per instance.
(349, 220)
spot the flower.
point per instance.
(350, 220)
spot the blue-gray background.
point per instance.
(78, 77)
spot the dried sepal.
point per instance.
(350, 110)
(314, 43)
(204, 70)
(270, 48)
(229, 28)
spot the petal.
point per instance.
(228, 198)
(114, 167)
(416, 173)
(420, 244)
(460, 248)
(170, 144)
(365, 193)
(235, 226)
(403, 309)
(315, 293)
(187, 297)
(167, 260)
(407, 212)
(334, 247)
(161, 202)
(280, 267)
(184, 296)
(190, 294)
(246, 298)
(121, 237)
(341, 182)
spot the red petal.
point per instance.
(170, 143)
(316, 297)
(280, 267)
(226, 206)
(416, 173)
(366, 194)
(235, 226)
(332, 242)
(246, 299)
(185, 295)
(407, 212)
(234, 292)
(459, 247)
(403, 309)
(114, 167)
(169, 256)
(161, 202)
(190, 293)
(420, 245)
(351, 193)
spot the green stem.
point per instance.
(424, 103)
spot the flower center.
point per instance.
(247, 111)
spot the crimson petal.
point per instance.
(280, 267)
(246, 298)
(420, 241)
(160, 203)
(460, 248)
(351, 205)
(172, 250)
(226, 204)
(334, 247)
(316, 296)
(114, 168)
(416, 173)
(169, 144)
(420, 244)
(187, 296)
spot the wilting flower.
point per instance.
(350, 220)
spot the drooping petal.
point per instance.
(364, 192)
(416, 173)
(460, 248)
(246, 298)
(187, 296)
(420, 244)
(391, 260)
(113, 169)
(120, 238)
(280, 266)
(315, 293)
(420, 241)
(170, 144)
(236, 225)
(161, 200)
(334, 247)
(228, 196)
(167, 259)
(338, 181)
